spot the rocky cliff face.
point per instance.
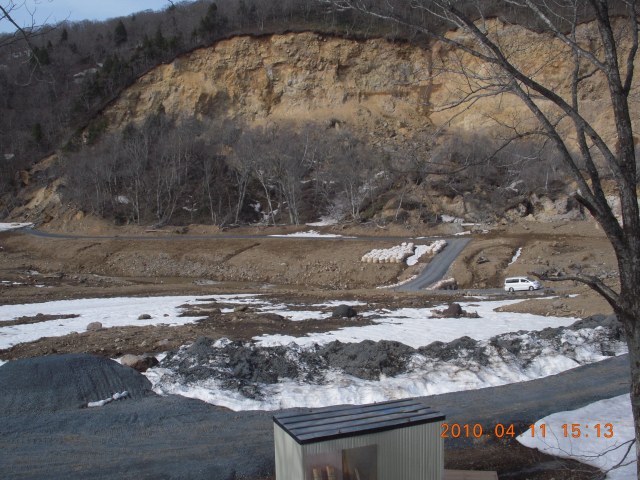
(371, 85)
(387, 88)
(391, 93)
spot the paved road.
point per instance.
(438, 266)
(175, 437)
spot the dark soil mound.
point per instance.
(367, 359)
(243, 367)
(60, 382)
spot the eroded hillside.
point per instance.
(402, 100)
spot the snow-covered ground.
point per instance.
(426, 374)
(5, 227)
(469, 366)
(310, 234)
(413, 327)
(111, 312)
(590, 444)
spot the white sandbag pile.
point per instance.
(436, 247)
(395, 254)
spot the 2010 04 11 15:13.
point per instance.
(476, 430)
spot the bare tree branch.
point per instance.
(594, 282)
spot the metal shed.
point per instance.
(396, 440)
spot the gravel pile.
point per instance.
(62, 382)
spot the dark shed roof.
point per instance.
(329, 423)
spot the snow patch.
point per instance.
(310, 234)
(102, 403)
(419, 252)
(414, 327)
(589, 447)
(516, 256)
(399, 284)
(324, 222)
(446, 283)
(5, 227)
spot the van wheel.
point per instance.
(531, 289)
(511, 290)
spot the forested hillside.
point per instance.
(229, 164)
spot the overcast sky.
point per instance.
(54, 11)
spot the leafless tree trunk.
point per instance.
(559, 115)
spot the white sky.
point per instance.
(54, 11)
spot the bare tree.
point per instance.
(607, 52)
(243, 163)
(22, 33)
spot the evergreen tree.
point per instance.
(211, 22)
(37, 134)
(120, 33)
(40, 56)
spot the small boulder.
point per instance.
(453, 310)
(482, 259)
(344, 311)
(94, 327)
(144, 316)
(140, 363)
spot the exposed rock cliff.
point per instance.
(384, 87)
(375, 85)
(398, 96)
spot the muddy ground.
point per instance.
(133, 261)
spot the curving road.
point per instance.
(437, 267)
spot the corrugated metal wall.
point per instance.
(411, 453)
(289, 463)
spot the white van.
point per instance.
(513, 284)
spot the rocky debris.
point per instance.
(344, 311)
(460, 348)
(367, 359)
(140, 363)
(606, 321)
(454, 310)
(94, 327)
(482, 259)
(247, 367)
(144, 316)
(38, 318)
